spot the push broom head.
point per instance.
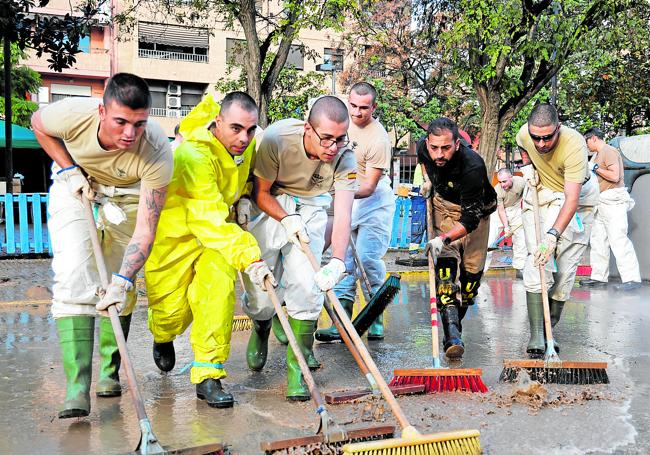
(466, 442)
(317, 444)
(436, 380)
(580, 373)
(241, 323)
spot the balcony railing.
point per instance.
(172, 113)
(166, 55)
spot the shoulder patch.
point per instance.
(352, 175)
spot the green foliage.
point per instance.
(23, 80)
(293, 90)
(21, 110)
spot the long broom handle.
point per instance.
(112, 312)
(435, 343)
(542, 272)
(309, 379)
(383, 387)
(362, 269)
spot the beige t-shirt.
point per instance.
(372, 147)
(76, 122)
(567, 162)
(282, 159)
(606, 158)
(513, 195)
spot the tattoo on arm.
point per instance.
(139, 248)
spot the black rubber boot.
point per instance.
(164, 355)
(258, 345)
(376, 330)
(108, 384)
(76, 338)
(212, 392)
(330, 333)
(536, 321)
(278, 331)
(304, 331)
(452, 343)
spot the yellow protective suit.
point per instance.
(192, 268)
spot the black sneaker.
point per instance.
(164, 355)
(212, 392)
(592, 283)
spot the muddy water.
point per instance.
(525, 418)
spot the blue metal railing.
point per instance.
(24, 230)
(401, 230)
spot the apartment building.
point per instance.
(181, 63)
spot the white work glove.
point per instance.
(296, 231)
(507, 233)
(425, 190)
(116, 294)
(593, 166)
(327, 277)
(258, 272)
(76, 182)
(244, 212)
(434, 246)
(545, 250)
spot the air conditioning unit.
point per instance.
(173, 102)
(173, 89)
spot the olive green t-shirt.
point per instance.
(76, 122)
(372, 147)
(513, 195)
(282, 159)
(567, 162)
(607, 158)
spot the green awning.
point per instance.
(21, 138)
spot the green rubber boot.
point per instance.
(278, 331)
(536, 320)
(258, 345)
(556, 312)
(76, 338)
(330, 333)
(376, 330)
(108, 384)
(304, 331)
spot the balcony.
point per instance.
(169, 113)
(168, 55)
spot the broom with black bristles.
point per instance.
(462, 442)
(439, 379)
(552, 369)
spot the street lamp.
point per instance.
(329, 65)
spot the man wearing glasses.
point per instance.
(374, 205)
(567, 198)
(296, 166)
(463, 200)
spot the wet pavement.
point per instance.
(597, 325)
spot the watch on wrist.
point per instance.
(554, 232)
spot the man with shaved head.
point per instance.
(190, 275)
(297, 164)
(509, 192)
(567, 197)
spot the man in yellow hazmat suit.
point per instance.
(191, 272)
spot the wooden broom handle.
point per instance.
(362, 269)
(112, 312)
(383, 387)
(542, 272)
(435, 343)
(304, 369)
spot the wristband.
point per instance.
(123, 277)
(67, 169)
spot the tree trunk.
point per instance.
(490, 131)
(253, 60)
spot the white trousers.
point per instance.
(76, 279)
(519, 250)
(371, 229)
(303, 298)
(561, 269)
(610, 231)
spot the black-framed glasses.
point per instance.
(327, 143)
(546, 138)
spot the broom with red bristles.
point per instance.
(439, 379)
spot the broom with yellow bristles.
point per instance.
(464, 442)
(552, 369)
(439, 379)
